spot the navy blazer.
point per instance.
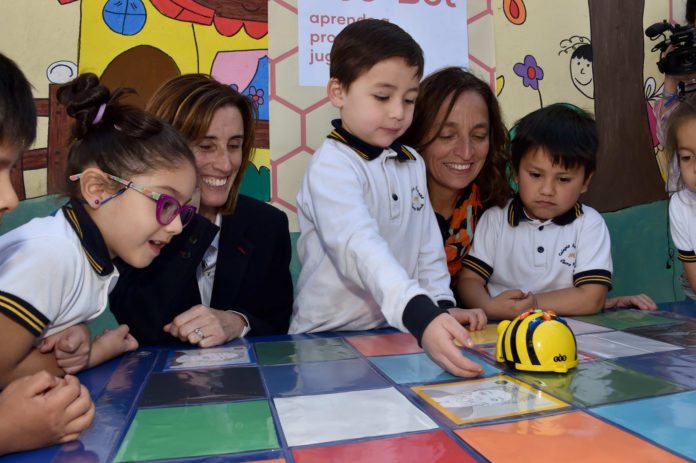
(252, 275)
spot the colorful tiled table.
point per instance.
(377, 397)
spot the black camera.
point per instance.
(682, 58)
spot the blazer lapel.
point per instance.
(233, 257)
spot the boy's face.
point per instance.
(548, 190)
(8, 197)
(378, 106)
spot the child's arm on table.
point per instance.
(110, 344)
(690, 272)
(71, 347)
(19, 356)
(641, 301)
(41, 410)
(506, 306)
(582, 300)
(591, 271)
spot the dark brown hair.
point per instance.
(362, 44)
(690, 14)
(17, 109)
(566, 132)
(494, 178)
(123, 141)
(189, 102)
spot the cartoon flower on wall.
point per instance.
(256, 95)
(531, 74)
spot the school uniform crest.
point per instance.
(417, 199)
(567, 255)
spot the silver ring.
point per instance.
(199, 333)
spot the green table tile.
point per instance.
(625, 319)
(602, 382)
(178, 432)
(309, 350)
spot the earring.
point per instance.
(96, 201)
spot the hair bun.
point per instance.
(82, 99)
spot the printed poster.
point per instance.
(431, 23)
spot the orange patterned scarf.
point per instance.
(458, 230)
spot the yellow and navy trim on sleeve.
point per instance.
(686, 256)
(365, 150)
(595, 277)
(478, 266)
(23, 313)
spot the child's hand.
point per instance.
(642, 301)
(110, 344)
(512, 303)
(438, 343)
(72, 347)
(41, 410)
(476, 318)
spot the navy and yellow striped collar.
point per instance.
(90, 237)
(365, 150)
(516, 213)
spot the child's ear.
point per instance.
(587, 183)
(94, 186)
(335, 91)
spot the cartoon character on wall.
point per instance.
(580, 63)
(652, 94)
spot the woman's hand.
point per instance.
(206, 327)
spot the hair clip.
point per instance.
(100, 113)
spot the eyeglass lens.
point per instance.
(168, 208)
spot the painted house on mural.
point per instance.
(142, 43)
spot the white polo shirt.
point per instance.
(369, 238)
(55, 272)
(512, 251)
(682, 225)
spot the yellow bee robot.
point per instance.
(537, 340)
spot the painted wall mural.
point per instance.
(142, 43)
(533, 52)
(569, 51)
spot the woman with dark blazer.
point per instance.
(227, 274)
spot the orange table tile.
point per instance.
(385, 344)
(567, 437)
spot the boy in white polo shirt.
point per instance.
(544, 249)
(370, 247)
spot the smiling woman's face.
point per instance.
(218, 158)
(457, 154)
